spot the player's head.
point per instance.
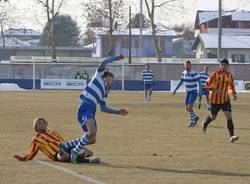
(224, 64)
(205, 68)
(147, 66)
(188, 65)
(108, 78)
(40, 125)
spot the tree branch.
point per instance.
(60, 5)
(169, 1)
(149, 12)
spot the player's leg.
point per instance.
(87, 138)
(200, 99)
(226, 108)
(150, 94)
(146, 94)
(208, 101)
(66, 146)
(191, 101)
(215, 108)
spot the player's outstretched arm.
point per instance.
(178, 86)
(29, 156)
(109, 60)
(19, 157)
(109, 110)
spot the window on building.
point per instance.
(238, 58)
(211, 53)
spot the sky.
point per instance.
(33, 15)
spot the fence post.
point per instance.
(122, 75)
(34, 74)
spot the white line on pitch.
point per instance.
(71, 172)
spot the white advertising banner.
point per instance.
(63, 84)
(173, 85)
(239, 85)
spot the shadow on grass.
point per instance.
(212, 126)
(178, 171)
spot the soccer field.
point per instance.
(151, 145)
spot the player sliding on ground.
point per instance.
(220, 83)
(94, 94)
(193, 86)
(47, 141)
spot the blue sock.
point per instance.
(191, 118)
(71, 144)
(194, 114)
(82, 143)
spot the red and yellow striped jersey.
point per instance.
(223, 81)
(47, 142)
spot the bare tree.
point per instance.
(8, 18)
(105, 13)
(169, 5)
(52, 8)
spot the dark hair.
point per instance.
(188, 61)
(106, 74)
(225, 61)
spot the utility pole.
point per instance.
(2, 56)
(140, 39)
(130, 37)
(53, 47)
(219, 32)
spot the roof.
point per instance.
(205, 16)
(136, 31)
(241, 16)
(22, 32)
(13, 42)
(230, 41)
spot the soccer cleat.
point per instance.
(204, 127)
(95, 161)
(234, 138)
(196, 119)
(73, 157)
(190, 125)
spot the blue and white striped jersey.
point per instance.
(147, 76)
(203, 78)
(96, 91)
(191, 80)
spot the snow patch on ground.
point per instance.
(10, 87)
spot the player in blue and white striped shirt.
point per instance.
(94, 94)
(193, 87)
(147, 78)
(203, 78)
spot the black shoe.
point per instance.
(190, 125)
(204, 127)
(95, 161)
(196, 121)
